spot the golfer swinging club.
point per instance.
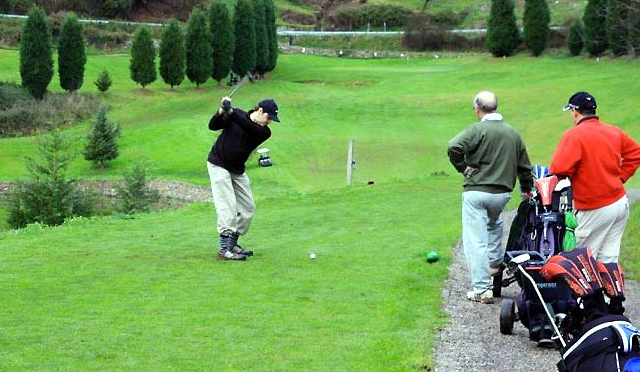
(242, 132)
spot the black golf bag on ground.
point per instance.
(595, 335)
(605, 344)
(538, 230)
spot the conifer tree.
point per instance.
(143, 58)
(502, 31)
(575, 42)
(536, 20)
(617, 23)
(222, 42)
(71, 54)
(198, 47)
(595, 34)
(102, 141)
(262, 38)
(270, 17)
(135, 194)
(634, 27)
(49, 196)
(103, 83)
(244, 56)
(36, 56)
(172, 54)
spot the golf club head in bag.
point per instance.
(559, 266)
(612, 278)
(613, 281)
(583, 258)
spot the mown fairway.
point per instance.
(146, 294)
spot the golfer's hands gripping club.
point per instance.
(469, 172)
(225, 105)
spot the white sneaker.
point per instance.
(485, 297)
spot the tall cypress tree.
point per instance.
(143, 58)
(36, 56)
(574, 39)
(71, 54)
(595, 34)
(198, 46)
(262, 38)
(502, 32)
(172, 54)
(617, 23)
(634, 27)
(536, 20)
(222, 42)
(244, 56)
(270, 16)
(102, 142)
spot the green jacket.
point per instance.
(497, 150)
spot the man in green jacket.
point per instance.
(491, 155)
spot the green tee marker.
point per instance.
(432, 257)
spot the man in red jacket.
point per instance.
(598, 158)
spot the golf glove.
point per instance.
(469, 172)
(225, 104)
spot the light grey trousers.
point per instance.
(482, 226)
(602, 229)
(233, 200)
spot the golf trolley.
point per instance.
(538, 233)
(263, 158)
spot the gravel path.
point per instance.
(472, 340)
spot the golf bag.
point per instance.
(539, 225)
(538, 230)
(605, 344)
(600, 337)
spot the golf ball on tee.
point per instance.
(312, 256)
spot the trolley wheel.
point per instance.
(507, 316)
(497, 284)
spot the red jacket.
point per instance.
(598, 158)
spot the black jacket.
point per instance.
(239, 137)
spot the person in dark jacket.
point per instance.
(242, 132)
(491, 155)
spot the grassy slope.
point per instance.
(113, 294)
(401, 114)
(478, 10)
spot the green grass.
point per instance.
(630, 255)
(419, 103)
(79, 298)
(145, 294)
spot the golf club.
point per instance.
(248, 76)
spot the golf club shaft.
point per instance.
(246, 77)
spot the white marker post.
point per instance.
(350, 163)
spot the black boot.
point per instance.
(237, 249)
(226, 252)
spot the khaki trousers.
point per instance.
(233, 200)
(601, 229)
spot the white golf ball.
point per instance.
(312, 256)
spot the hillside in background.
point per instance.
(305, 14)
